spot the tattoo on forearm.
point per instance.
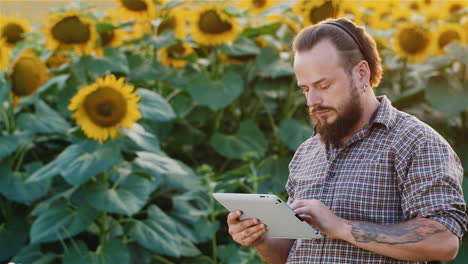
(412, 231)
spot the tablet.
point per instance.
(280, 219)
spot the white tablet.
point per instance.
(280, 219)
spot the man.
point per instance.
(382, 186)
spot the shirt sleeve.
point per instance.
(432, 188)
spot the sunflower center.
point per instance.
(322, 12)
(447, 37)
(259, 3)
(12, 33)
(135, 5)
(106, 107)
(211, 23)
(175, 51)
(413, 41)
(106, 37)
(455, 8)
(71, 30)
(168, 23)
(26, 77)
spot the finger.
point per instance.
(240, 226)
(296, 204)
(256, 237)
(233, 217)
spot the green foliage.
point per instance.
(229, 121)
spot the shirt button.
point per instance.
(331, 174)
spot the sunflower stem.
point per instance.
(20, 158)
(218, 117)
(163, 259)
(403, 75)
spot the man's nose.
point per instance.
(313, 98)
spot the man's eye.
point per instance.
(324, 87)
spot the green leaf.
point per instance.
(182, 105)
(159, 234)
(233, 254)
(154, 107)
(5, 88)
(45, 120)
(9, 144)
(96, 67)
(276, 169)
(216, 94)
(112, 251)
(249, 138)
(79, 162)
(457, 51)
(117, 58)
(13, 186)
(143, 70)
(173, 173)
(127, 197)
(32, 254)
(444, 97)
(269, 29)
(138, 139)
(87, 160)
(59, 80)
(242, 46)
(293, 133)
(13, 235)
(269, 64)
(61, 221)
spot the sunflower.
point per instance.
(450, 9)
(417, 6)
(412, 41)
(211, 25)
(351, 11)
(71, 30)
(12, 30)
(57, 60)
(28, 73)
(316, 11)
(100, 109)
(4, 56)
(140, 10)
(447, 33)
(175, 21)
(255, 7)
(401, 16)
(174, 55)
(381, 19)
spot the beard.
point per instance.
(347, 118)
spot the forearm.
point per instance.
(274, 250)
(420, 239)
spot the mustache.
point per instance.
(319, 108)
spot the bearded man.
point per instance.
(382, 186)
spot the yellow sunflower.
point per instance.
(316, 11)
(382, 19)
(413, 42)
(140, 10)
(12, 30)
(27, 74)
(401, 16)
(100, 109)
(4, 56)
(255, 7)
(174, 55)
(447, 33)
(71, 30)
(417, 6)
(351, 11)
(57, 60)
(211, 25)
(450, 9)
(175, 21)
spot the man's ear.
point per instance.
(362, 71)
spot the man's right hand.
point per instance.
(248, 232)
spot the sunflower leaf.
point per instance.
(5, 88)
(270, 64)
(138, 139)
(127, 198)
(61, 221)
(276, 170)
(293, 133)
(445, 98)
(242, 46)
(112, 251)
(13, 235)
(154, 107)
(457, 51)
(8, 145)
(249, 138)
(173, 173)
(14, 187)
(159, 234)
(216, 94)
(45, 120)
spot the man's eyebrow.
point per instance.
(314, 83)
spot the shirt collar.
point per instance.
(385, 114)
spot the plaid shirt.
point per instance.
(394, 169)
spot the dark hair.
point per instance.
(308, 37)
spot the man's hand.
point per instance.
(320, 217)
(248, 232)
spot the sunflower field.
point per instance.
(117, 124)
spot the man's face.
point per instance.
(332, 98)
